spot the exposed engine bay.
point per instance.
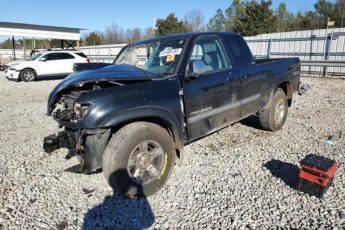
(65, 110)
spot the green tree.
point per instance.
(284, 18)
(258, 18)
(245, 17)
(170, 25)
(235, 13)
(325, 9)
(339, 13)
(309, 21)
(92, 39)
(217, 23)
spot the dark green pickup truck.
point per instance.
(133, 117)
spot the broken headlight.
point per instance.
(81, 110)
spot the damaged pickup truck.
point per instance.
(132, 118)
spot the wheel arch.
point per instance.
(156, 115)
(286, 86)
(27, 68)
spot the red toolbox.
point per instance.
(316, 174)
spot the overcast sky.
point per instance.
(95, 15)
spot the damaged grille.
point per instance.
(62, 109)
(64, 113)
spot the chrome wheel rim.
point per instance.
(29, 75)
(280, 111)
(146, 162)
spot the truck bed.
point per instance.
(261, 61)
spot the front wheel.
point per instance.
(139, 159)
(28, 75)
(273, 117)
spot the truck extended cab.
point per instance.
(132, 118)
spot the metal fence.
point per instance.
(103, 53)
(322, 52)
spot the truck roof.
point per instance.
(183, 36)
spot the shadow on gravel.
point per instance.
(252, 121)
(73, 169)
(117, 212)
(287, 172)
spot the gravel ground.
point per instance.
(238, 178)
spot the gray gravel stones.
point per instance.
(238, 178)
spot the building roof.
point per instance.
(14, 25)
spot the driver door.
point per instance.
(46, 64)
(211, 97)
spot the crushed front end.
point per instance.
(87, 143)
(81, 103)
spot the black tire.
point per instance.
(273, 117)
(120, 149)
(28, 75)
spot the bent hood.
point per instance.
(15, 63)
(109, 73)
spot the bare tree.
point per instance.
(149, 33)
(113, 34)
(129, 38)
(136, 34)
(195, 20)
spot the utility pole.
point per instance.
(14, 48)
(24, 49)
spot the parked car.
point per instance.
(51, 63)
(11, 64)
(133, 118)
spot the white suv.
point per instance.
(51, 63)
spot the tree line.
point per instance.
(247, 17)
(250, 18)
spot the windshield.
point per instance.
(35, 57)
(158, 58)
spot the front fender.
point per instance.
(150, 113)
(156, 101)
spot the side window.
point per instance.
(210, 51)
(65, 56)
(51, 57)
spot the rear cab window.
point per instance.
(239, 52)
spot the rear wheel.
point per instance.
(28, 75)
(273, 117)
(139, 159)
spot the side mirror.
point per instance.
(43, 59)
(197, 68)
